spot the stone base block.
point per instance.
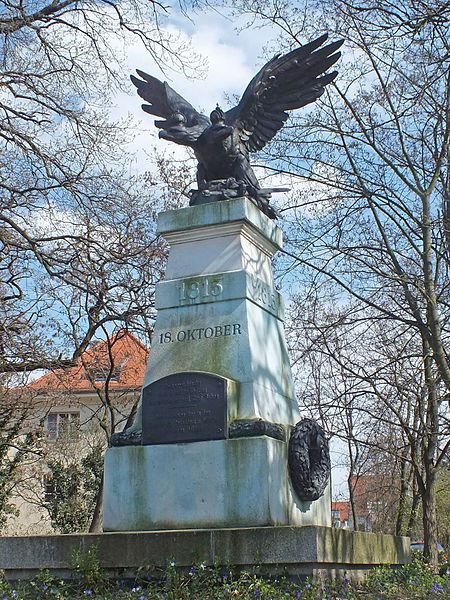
(241, 482)
(298, 551)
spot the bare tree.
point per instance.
(19, 452)
(64, 172)
(370, 221)
(366, 380)
(79, 254)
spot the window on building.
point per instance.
(49, 488)
(102, 373)
(63, 425)
(364, 523)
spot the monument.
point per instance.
(218, 465)
(218, 440)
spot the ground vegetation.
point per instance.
(201, 582)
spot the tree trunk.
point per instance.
(430, 520)
(352, 502)
(404, 488)
(428, 490)
(96, 525)
(412, 521)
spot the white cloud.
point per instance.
(231, 61)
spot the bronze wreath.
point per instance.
(309, 460)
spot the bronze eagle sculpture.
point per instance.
(222, 142)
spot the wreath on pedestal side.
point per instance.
(309, 460)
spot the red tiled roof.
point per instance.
(129, 358)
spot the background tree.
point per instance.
(366, 382)
(443, 504)
(64, 172)
(368, 230)
(19, 452)
(72, 490)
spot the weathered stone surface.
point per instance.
(298, 550)
(226, 236)
(219, 314)
(234, 339)
(218, 311)
(232, 285)
(224, 319)
(227, 211)
(240, 482)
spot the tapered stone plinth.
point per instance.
(218, 310)
(218, 380)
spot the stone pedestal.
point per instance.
(239, 482)
(219, 315)
(295, 551)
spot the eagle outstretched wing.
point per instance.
(182, 124)
(284, 83)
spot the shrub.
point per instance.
(201, 582)
(74, 489)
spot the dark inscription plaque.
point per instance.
(185, 407)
